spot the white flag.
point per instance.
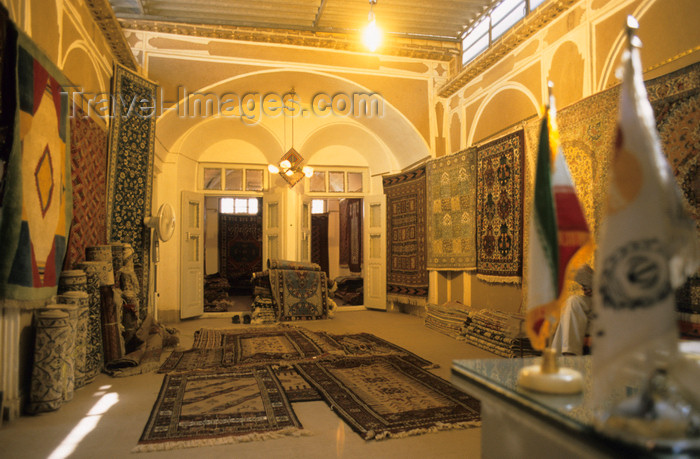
(647, 248)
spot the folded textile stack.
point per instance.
(498, 332)
(448, 318)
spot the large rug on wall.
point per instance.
(89, 177)
(388, 397)
(130, 177)
(350, 229)
(37, 204)
(452, 212)
(676, 101)
(499, 209)
(406, 267)
(240, 248)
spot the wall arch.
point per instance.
(79, 64)
(515, 98)
(404, 143)
(567, 75)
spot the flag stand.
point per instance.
(548, 377)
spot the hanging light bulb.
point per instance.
(308, 171)
(372, 35)
(273, 169)
(285, 164)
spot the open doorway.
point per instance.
(233, 251)
(336, 245)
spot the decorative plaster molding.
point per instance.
(507, 43)
(105, 19)
(394, 46)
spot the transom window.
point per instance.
(492, 24)
(249, 206)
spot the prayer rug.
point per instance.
(89, 177)
(452, 204)
(388, 397)
(201, 409)
(499, 209)
(37, 203)
(406, 272)
(240, 249)
(299, 293)
(366, 344)
(130, 178)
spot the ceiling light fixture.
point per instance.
(372, 35)
(289, 167)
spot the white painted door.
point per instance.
(273, 226)
(374, 248)
(191, 255)
(305, 230)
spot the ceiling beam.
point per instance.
(321, 7)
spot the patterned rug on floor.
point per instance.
(389, 397)
(279, 345)
(200, 409)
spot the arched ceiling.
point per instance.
(386, 140)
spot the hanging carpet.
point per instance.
(319, 241)
(499, 209)
(406, 271)
(37, 200)
(240, 249)
(452, 212)
(130, 173)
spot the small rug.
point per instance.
(366, 344)
(300, 294)
(452, 212)
(388, 397)
(406, 272)
(499, 209)
(203, 409)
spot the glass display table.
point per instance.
(519, 423)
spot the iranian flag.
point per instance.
(559, 236)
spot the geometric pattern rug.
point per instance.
(499, 209)
(89, 176)
(452, 217)
(224, 349)
(388, 397)
(200, 409)
(406, 214)
(238, 385)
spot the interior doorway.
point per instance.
(233, 251)
(336, 245)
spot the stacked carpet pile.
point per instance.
(448, 318)
(499, 332)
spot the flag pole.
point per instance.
(547, 376)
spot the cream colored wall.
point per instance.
(401, 136)
(579, 52)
